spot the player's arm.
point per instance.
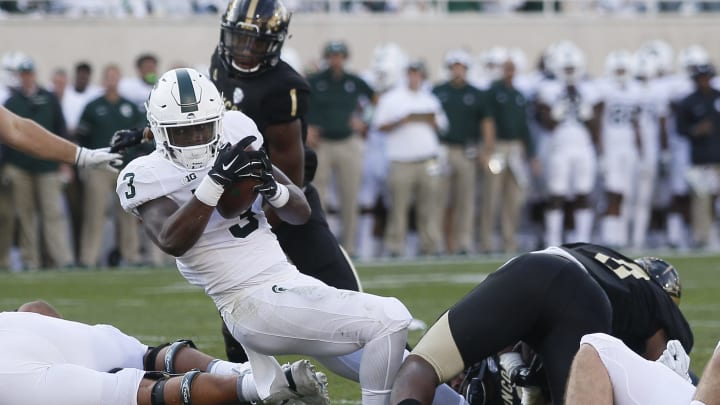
(285, 146)
(172, 228)
(175, 229)
(27, 136)
(655, 345)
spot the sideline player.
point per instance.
(548, 299)
(28, 137)
(267, 304)
(47, 359)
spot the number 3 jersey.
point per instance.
(231, 254)
(639, 305)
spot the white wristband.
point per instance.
(281, 197)
(209, 192)
(78, 152)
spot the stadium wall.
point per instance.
(60, 42)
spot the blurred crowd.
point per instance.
(499, 156)
(177, 8)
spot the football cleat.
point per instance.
(306, 386)
(311, 385)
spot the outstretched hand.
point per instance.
(101, 158)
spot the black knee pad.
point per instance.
(158, 389)
(186, 386)
(169, 362)
(152, 355)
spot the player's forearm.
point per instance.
(286, 149)
(297, 209)
(175, 230)
(29, 137)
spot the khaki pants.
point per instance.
(33, 193)
(343, 159)
(460, 192)
(705, 186)
(99, 190)
(420, 180)
(502, 187)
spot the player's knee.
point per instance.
(396, 314)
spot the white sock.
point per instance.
(246, 388)
(675, 229)
(583, 224)
(553, 227)
(640, 228)
(375, 397)
(222, 367)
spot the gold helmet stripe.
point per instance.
(251, 11)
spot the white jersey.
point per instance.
(136, 90)
(73, 103)
(231, 253)
(28, 339)
(654, 105)
(621, 105)
(571, 111)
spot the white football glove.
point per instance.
(675, 358)
(97, 159)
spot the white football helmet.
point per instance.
(568, 62)
(645, 66)
(693, 55)
(387, 67)
(662, 52)
(458, 55)
(618, 65)
(185, 112)
(518, 58)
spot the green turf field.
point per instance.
(158, 305)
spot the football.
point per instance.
(237, 198)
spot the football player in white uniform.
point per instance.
(568, 108)
(47, 359)
(652, 117)
(268, 306)
(605, 371)
(621, 142)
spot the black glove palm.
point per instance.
(126, 138)
(234, 163)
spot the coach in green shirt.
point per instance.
(465, 108)
(100, 119)
(506, 152)
(335, 129)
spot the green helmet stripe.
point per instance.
(188, 101)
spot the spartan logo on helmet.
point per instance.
(252, 33)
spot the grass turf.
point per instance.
(157, 305)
